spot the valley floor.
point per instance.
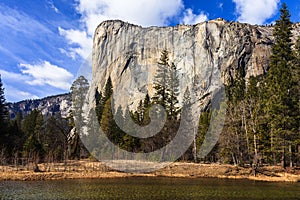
(88, 170)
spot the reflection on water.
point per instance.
(148, 188)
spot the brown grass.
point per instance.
(90, 170)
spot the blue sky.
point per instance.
(43, 43)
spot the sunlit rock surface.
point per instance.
(206, 55)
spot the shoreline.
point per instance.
(97, 170)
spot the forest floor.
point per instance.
(86, 169)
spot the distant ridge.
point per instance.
(49, 106)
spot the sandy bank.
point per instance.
(91, 170)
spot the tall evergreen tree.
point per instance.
(161, 79)
(103, 97)
(3, 115)
(166, 85)
(99, 104)
(79, 90)
(173, 92)
(32, 127)
(296, 95)
(279, 103)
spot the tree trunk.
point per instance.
(291, 155)
(195, 147)
(298, 161)
(247, 136)
(272, 149)
(283, 158)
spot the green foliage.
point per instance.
(55, 137)
(3, 106)
(161, 80)
(32, 127)
(173, 92)
(279, 105)
(101, 98)
(236, 89)
(166, 85)
(3, 115)
(107, 120)
(105, 111)
(262, 125)
(79, 91)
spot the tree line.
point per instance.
(36, 138)
(261, 127)
(262, 123)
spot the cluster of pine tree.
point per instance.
(262, 125)
(105, 114)
(166, 85)
(36, 138)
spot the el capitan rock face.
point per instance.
(196, 50)
(207, 54)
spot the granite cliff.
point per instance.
(206, 54)
(49, 106)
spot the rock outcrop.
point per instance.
(205, 54)
(49, 106)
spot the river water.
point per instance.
(149, 188)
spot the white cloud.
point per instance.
(13, 76)
(45, 73)
(191, 18)
(221, 5)
(13, 94)
(255, 12)
(17, 21)
(77, 38)
(141, 12)
(52, 6)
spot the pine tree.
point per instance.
(3, 115)
(173, 90)
(233, 138)
(161, 79)
(166, 85)
(279, 104)
(107, 121)
(99, 104)
(102, 98)
(296, 97)
(32, 127)
(146, 101)
(79, 90)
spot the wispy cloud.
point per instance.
(22, 85)
(80, 42)
(16, 21)
(191, 18)
(10, 54)
(14, 94)
(52, 6)
(25, 38)
(142, 12)
(13, 76)
(11, 92)
(44, 73)
(220, 5)
(255, 12)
